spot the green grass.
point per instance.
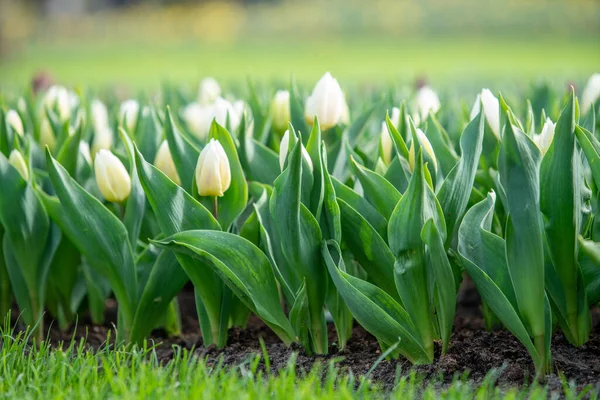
(446, 62)
(73, 371)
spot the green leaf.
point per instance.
(591, 148)
(300, 318)
(378, 191)
(560, 204)
(456, 188)
(590, 266)
(375, 310)
(68, 153)
(148, 133)
(96, 232)
(442, 146)
(184, 153)
(443, 281)
(297, 109)
(519, 164)
(177, 211)
(369, 249)
(472, 251)
(136, 203)
(242, 266)
(164, 283)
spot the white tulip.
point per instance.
(427, 148)
(591, 93)
(284, 146)
(46, 135)
(164, 162)
(326, 102)
(280, 110)
(99, 114)
(16, 160)
(111, 176)
(103, 139)
(22, 105)
(209, 91)
(128, 115)
(198, 119)
(223, 109)
(213, 174)
(491, 109)
(544, 139)
(387, 145)
(426, 100)
(14, 121)
(58, 98)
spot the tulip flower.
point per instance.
(223, 109)
(326, 102)
(544, 139)
(209, 91)
(16, 160)
(46, 135)
(426, 100)
(164, 162)
(99, 114)
(280, 110)
(426, 145)
(386, 140)
(491, 109)
(591, 93)
(198, 119)
(213, 174)
(284, 146)
(111, 176)
(57, 98)
(14, 121)
(128, 115)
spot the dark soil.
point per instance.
(472, 350)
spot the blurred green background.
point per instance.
(139, 44)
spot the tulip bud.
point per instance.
(209, 91)
(103, 139)
(223, 109)
(425, 145)
(16, 160)
(22, 105)
(164, 162)
(213, 175)
(57, 98)
(491, 109)
(46, 135)
(198, 119)
(99, 114)
(128, 115)
(111, 176)
(326, 102)
(427, 100)
(544, 139)
(591, 93)
(280, 110)
(387, 145)
(14, 121)
(284, 146)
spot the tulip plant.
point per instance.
(301, 210)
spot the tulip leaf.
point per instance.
(378, 191)
(357, 127)
(591, 148)
(68, 153)
(444, 296)
(375, 310)
(519, 164)
(149, 133)
(96, 232)
(560, 204)
(369, 249)
(297, 110)
(234, 200)
(177, 211)
(442, 146)
(589, 260)
(456, 188)
(242, 266)
(260, 163)
(184, 153)
(472, 252)
(136, 203)
(300, 317)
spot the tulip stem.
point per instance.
(216, 207)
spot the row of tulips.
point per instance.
(298, 211)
